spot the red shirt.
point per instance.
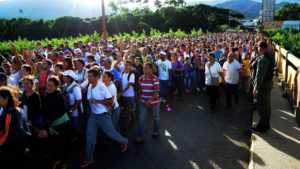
(149, 86)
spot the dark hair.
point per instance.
(12, 94)
(94, 72)
(80, 61)
(29, 78)
(27, 68)
(128, 62)
(55, 80)
(150, 65)
(70, 63)
(49, 62)
(212, 54)
(60, 66)
(263, 44)
(110, 75)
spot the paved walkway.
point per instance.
(191, 138)
(280, 147)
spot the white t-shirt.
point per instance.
(113, 91)
(232, 72)
(99, 92)
(130, 91)
(76, 95)
(163, 69)
(81, 76)
(214, 69)
(14, 78)
(85, 84)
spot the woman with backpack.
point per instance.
(57, 125)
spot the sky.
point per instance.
(51, 9)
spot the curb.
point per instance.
(251, 161)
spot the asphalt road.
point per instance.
(191, 138)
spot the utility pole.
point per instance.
(104, 22)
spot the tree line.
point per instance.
(140, 20)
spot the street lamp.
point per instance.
(104, 22)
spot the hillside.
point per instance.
(249, 8)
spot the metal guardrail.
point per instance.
(288, 66)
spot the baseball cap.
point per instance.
(70, 73)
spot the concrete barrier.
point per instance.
(288, 66)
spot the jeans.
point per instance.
(104, 122)
(229, 90)
(144, 111)
(177, 83)
(196, 79)
(78, 125)
(127, 113)
(213, 94)
(188, 82)
(116, 118)
(164, 88)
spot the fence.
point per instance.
(289, 76)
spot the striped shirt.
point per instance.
(149, 86)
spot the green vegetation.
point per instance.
(288, 12)
(287, 38)
(174, 15)
(154, 33)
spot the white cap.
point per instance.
(77, 51)
(162, 53)
(70, 73)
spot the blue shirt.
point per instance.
(218, 54)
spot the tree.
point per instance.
(157, 4)
(288, 12)
(114, 7)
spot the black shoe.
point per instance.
(259, 128)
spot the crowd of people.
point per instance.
(66, 93)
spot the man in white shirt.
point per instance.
(232, 69)
(99, 96)
(164, 69)
(128, 97)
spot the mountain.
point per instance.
(250, 8)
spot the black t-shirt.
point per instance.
(33, 104)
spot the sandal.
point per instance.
(65, 166)
(86, 163)
(56, 164)
(124, 148)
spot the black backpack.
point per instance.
(136, 78)
(66, 96)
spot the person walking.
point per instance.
(213, 72)
(232, 69)
(99, 96)
(150, 103)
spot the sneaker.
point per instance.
(87, 163)
(198, 89)
(259, 128)
(155, 134)
(139, 140)
(124, 148)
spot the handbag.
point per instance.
(214, 80)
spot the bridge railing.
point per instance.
(288, 66)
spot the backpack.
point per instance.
(66, 96)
